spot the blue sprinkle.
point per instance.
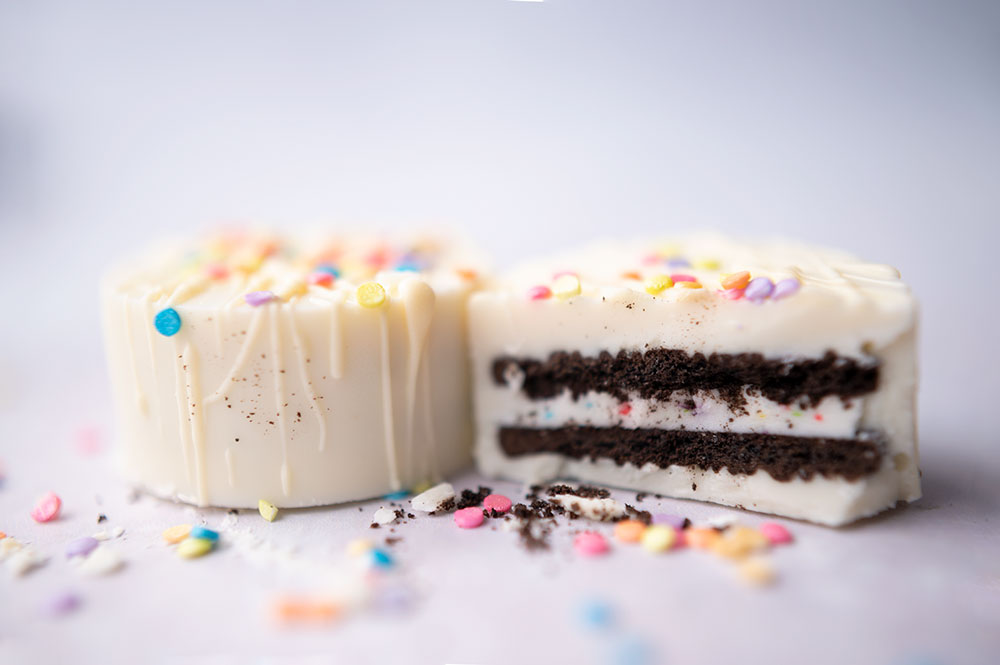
(380, 558)
(631, 651)
(590, 405)
(204, 533)
(396, 496)
(328, 269)
(596, 614)
(407, 266)
(548, 414)
(167, 322)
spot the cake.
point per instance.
(301, 370)
(774, 377)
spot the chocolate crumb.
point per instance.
(102, 518)
(470, 499)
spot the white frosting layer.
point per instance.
(307, 400)
(844, 305)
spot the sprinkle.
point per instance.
(625, 409)
(88, 440)
(676, 521)
(721, 521)
(321, 279)
(658, 284)
(20, 559)
(738, 542)
(60, 604)
(47, 508)
(818, 417)
(797, 414)
(167, 322)
(469, 518)
(629, 531)
(433, 499)
(631, 274)
(732, 294)
(101, 561)
(176, 533)
(736, 280)
(759, 289)
(371, 295)
(204, 534)
(596, 614)
(593, 508)
(379, 558)
(102, 536)
(566, 286)
(757, 571)
(267, 510)
(360, 546)
(785, 288)
(497, 502)
(706, 264)
(689, 285)
(650, 259)
(632, 650)
(590, 543)
(384, 516)
(658, 538)
(192, 548)
(328, 269)
(539, 293)
(680, 277)
(775, 533)
(258, 298)
(396, 496)
(562, 273)
(81, 547)
(289, 610)
(216, 271)
(701, 538)
(466, 273)
(678, 262)
(2, 535)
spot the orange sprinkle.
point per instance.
(290, 610)
(631, 274)
(2, 535)
(176, 534)
(700, 538)
(466, 273)
(629, 531)
(737, 280)
(688, 285)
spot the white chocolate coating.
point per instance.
(307, 400)
(855, 309)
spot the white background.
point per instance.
(529, 126)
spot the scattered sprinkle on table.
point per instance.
(267, 510)
(384, 516)
(371, 295)
(47, 508)
(258, 298)
(590, 543)
(379, 558)
(60, 604)
(629, 531)
(167, 322)
(81, 547)
(469, 518)
(176, 533)
(359, 546)
(775, 533)
(675, 521)
(497, 502)
(306, 610)
(191, 548)
(205, 533)
(658, 538)
(596, 614)
(757, 571)
(102, 561)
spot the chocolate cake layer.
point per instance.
(783, 457)
(658, 373)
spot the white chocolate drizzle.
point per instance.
(255, 325)
(387, 419)
(279, 394)
(418, 302)
(306, 381)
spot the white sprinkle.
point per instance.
(101, 561)
(601, 510)
(721, 521)
(118, 531)
(101, 535)
(23, 559)
(384, 516)
(433, 499)
(8, 546)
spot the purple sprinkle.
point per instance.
(258, 298)
(758, 289)
(394, 600)
(678, 263)
(785, 287)
(81, 547)
(673, 520)
(61, 604)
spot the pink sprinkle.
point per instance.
(732, 294)
(258, 298)
(650, 260)
(679, 277)
(47, 508)
(539, 293)
(590, 543)
(497, 502)
(321, 279)
(88, 440)
(469, 518)
(216, 271)
(562, 273)
(818, 417)
(625, 409)
(775, 533)
(680, 541)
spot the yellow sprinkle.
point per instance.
(688, 285)
(192, 548)
(668, 249)
(267, 510)
(706, 264)
(359, 547)
(757, 571)
(177, 533)
(566, 286)
(371, 295)
(739, 541)
(658, 538)
(659, 284)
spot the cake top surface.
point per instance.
(243, 267)
(707, 267)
